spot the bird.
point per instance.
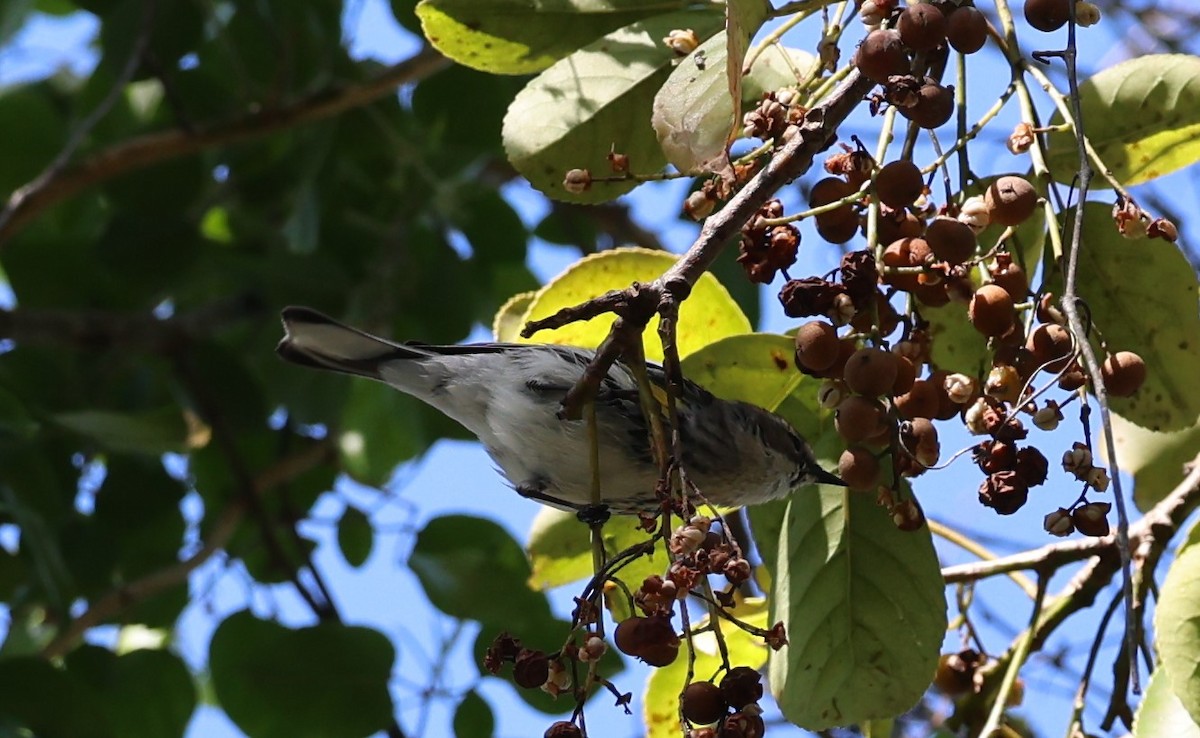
(509, 396)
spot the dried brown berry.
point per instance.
(966, 29)
(703, 703)
(1051, 346)
(817, 345)
(1058, 523)
(1048, 15)
(934, 106)
(564, 729)
(1010, 200)
(899, 183)
(920, 438)
(742, 687)
(870, 371)
(950, 240)
(531, 669)
(1124, 373)
(859, 468)
(955, 673)
(1032, 466)
(881, 55)
(858, 418)
(991, 310)
(743, 725)
(922, 27)
(1092, 519)
(860, 276)
(1009, 275)
(809, 296)
(921, 401)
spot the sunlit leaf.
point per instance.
(1161, 713)
(1155, 459)
(1177, 629)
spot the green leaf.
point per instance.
(472, 568)
(1142, 116)
(1154, 459)
(33, 133)
(379, 429)
(754, 367)
(661, 702)
(514, 37)
(325, 681)
(355, 536)
(50, 701)
(146, 693)
(596, 100)
(1142, 295)
(708, 315)
(1161, 713)
(473, 718)
(1177, 628)
(156, 432)
(864, 607)
(507, 325)
(773, 70)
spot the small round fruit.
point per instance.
(858, 418)
(991, 310)
(946, 406)
(921, 401)
(846, 348)
(703, 703)
(1010, 200)
(563, 729)
(923, 443)
(628, 636)
(1012, 278)
(897, 224)
(899, 183)
(966, 29)
(839, 231)
(827, 190)
(817, 345)
(932, 295)
(1051, 346)
(881, 55)
(1124, 373)
(907, 252)
(922, 27)
(1048, 15)
(870, 371)
(742, 687)
(935, 106)
(660, 654)
(859, 468)
(906, 376)
(952, 241)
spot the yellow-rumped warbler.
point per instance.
(509, 396)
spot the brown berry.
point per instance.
(742, 687)
(1009, 275)
(921, 439)
(743, 725)
(703, 703)
(628, 636)
(1092, 519)
(934, 106)
(881, 55)
(827, 190)
(951, 241)
(859, 468)
(991, 310)
(922, 27)
(947, 407)
(1051, 346)
(531, 669)
(1124, 373)
(817, 345)
(899, 183)
(870, 371)
(563, 729)
(1004, 492)
(894, 225)
(846, 349)
(921, 401)
(839, 231)
(1010, 200)
(907, 252)
(906, 376)
(1048, 15)
(858, 418)
(955, 673)
(966, 29)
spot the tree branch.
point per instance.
(28, 201)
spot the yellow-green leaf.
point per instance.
(755, 368)
(507, 325)
(708, 315)
(1154, 459)
(1142, 116)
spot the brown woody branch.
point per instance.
(43, 192)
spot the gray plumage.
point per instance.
(509, 395)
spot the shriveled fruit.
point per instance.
(870, 371)
(922, 27)
(1051, 346)
(935, 106)
(1010, 200)
(991, 310)
(858, 418)
(951, 240)
(703, 703)
(899, 183)
(742, 687)
(1124, 373)
(817, 345)
(859, 468)
(921, 401)
(881, 55)
(966, 29)
(1048, 15)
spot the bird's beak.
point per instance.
(820, 476)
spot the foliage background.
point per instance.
(386, 215)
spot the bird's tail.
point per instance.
(315, 340)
